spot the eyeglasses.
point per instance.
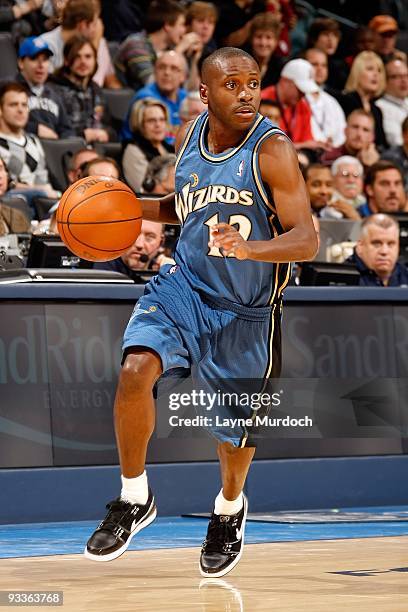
(347, 174)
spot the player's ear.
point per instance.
(203, 93)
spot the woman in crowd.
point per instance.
(365, 84)
(148, 122)
(262, 44)
(82, 96)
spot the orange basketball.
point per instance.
(99, 218)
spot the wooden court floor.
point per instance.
(364, 575)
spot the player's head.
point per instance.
(230, 86)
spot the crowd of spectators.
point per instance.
(339, 92)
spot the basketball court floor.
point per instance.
(285, 567)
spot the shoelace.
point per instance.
(219, 533)
(117, 510)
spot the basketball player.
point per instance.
(244, 211)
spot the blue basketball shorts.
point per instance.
(221, 343)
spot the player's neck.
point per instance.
(219, 140)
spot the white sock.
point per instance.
(135, 490)
(224, 506)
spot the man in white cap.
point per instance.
(296, 80)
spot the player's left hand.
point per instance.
(229, 240)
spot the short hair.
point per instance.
(85, 170)
(265, 21)
(160, 13)
(357, 67)
(362, 113)
(12, 86)
(201, 10)
(306, 170)
(76, 11)
(381, 166)
(378, 220)
(73, 158)
(347, 159)
(138, 110)
(322, 24)
(157, 169)
(224, 53)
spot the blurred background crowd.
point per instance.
(101, 87)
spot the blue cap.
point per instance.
(32, 46)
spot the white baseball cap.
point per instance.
(301, 72)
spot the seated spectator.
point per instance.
(319, 184)
(399, 153)
(270, 108)
(191, 107)
(101, 166)
(83, 98)
(359, 140)
(78, 17)
(148, 121)
(82, 17)
(325, 34)
(394, 102)
(161, 175)
(348, 180)
(385, 189)
(386, 29)
(21, 151)
(12, 220)
(48, 117)
(164, 28)
(262, 44)
(77, 163)
(170, 71)
(376, 253)
(295, 81)
(328, 120)
(201, 18)
(142, 255)
(365, 83)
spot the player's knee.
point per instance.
(140, 371)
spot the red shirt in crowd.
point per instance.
(296, 121)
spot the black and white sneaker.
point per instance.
(223, 546)
(115, 532)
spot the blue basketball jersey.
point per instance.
(228, 188)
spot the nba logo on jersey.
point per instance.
(240, 168)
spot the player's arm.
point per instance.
(163, 209)
(280, 171)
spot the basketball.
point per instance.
(99, 218)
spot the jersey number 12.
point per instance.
(244, 228)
